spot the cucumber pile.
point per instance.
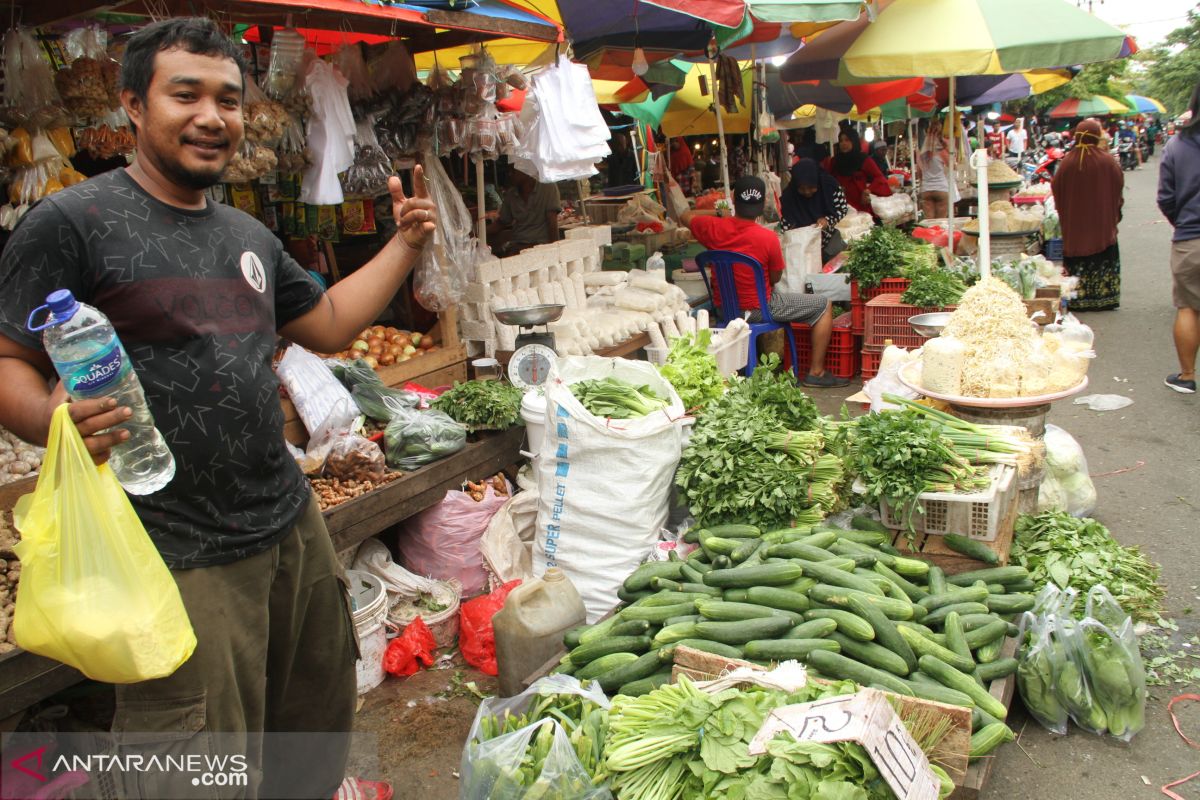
(844, 602)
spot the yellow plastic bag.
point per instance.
(95, 593)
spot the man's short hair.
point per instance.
(196, 35)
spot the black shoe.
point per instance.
(1179, 385)
(826, 381)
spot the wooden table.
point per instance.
(26, 678)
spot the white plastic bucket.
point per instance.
(533, 412)
(370, 613)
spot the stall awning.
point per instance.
(425, 29)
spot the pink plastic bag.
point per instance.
(476, 636)
(443, 542)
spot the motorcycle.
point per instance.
(1126, 154)
(1043, 171)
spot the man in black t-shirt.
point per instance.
(197, 292)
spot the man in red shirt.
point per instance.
(742, 234)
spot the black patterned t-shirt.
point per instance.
(196, 298)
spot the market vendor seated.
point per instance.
(742, 234)
(528, 215)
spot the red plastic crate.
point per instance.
(870, 361)
(887, 318)
(841, 357)
(858, 300)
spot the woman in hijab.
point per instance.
(813, 197)
(856, 173)
(933, 167)
(681, 164)
(1087, 193)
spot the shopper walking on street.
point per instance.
(1087, 190)
(1179, 201)
(197, 292)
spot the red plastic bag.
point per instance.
(936, 236)
(411, 650)
(476, 636)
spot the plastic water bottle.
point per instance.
(92, 364)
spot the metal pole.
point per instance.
(979, 162)
(481, 204)
(953, 148)
(716, 96)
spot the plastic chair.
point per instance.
(724, 264)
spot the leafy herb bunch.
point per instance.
(482, 404)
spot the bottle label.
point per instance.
(97, 375)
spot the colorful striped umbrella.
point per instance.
(1094, 106)
(1144, 105)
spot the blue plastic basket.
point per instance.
(1053, 249)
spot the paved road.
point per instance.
(1153, 506)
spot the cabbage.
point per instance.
(1081, 494)
(1051, 495)
(1064, 456)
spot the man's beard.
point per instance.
(192, 179)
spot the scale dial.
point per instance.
(531, 366)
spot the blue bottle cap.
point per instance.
(62, 304)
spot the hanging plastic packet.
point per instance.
(84, 83)
(349, 61)
(30, 97)
(265, 118)
(367, 177)
(287, 55)
(441, 280)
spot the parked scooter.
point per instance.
(1043, 171)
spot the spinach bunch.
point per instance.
(777, 392)
(933, 288)
(482, 404)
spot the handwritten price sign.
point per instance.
(867, 718)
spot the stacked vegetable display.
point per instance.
(842, 601)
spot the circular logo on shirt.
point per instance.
(253, 272)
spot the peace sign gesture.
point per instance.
(416, 216)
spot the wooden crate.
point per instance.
(933, 548)
(978, 773)
(701, 666)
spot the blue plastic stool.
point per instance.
(724, 264)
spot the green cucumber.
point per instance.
(914, 592)
(787, 649)
(594, 669)
(717, 545)
(936, 580)
(643, 667)
(989, 652)
(667, 597)
(758, 575)
(742, 631)
(735, 531)
(813, 629)
(1023, 587)
(645, 685)
(725, 611)
(639, 579)
(681, 618)
(872, 538)
(871, 654)
(911, 567)
(800, 550)
(971, 548)
(633, 627)
(675, 633)
(997, 588)
(665, 584)
(840, 597)
(972, 621)
(1006, 575)
(988, 633)
(935, 618)
(848, 623)
(632, 597)
(836, 577)
(690, 574)
(773, 597)
(861, 560)
(952, 678)
(691, 535)
(932, 690)
(785, 535)
(862, 522)
(980, 718)
(599, 630)
(700, 588)
(989, 737)
(571, 637)
(1000, 668)
(658, 614)
(886, 633)
(736, 595)
(743, 551)
(838, 666)
(925, 647)
(1007, 604)
(968, 594)
(590, 651)
(821, 539)
(956, 637)
(697, 558)
(716, 648)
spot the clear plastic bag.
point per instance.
(1037, 672)
(381, 402)
(30, 97)
(349, 61)
(367, 177)
(492, 768)
(416, 438)
(287, 57)
(1068, 485)
(265, 118)
(314, 391)
(1110, 652)
(442, 278)
(353, 458)
(95, 593)
(1074, 687)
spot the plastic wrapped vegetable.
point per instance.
(1037, 673)
(381, 402)
(1110, 652)
(1072, 489)
(1074, 688)
(417, 438)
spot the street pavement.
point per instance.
(1145, 460)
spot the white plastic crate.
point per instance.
(731, 355)
(976, 516)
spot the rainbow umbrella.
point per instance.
(1094, 106)
(1144, 105)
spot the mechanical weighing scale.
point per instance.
(534, 358)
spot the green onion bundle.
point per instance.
(981, 444)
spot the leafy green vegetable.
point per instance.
(1081, 553)
(614, 398)
(693, 371)
(900, 454)
(482, 404)
(933, 288)
(878, 255)
(744, 463)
